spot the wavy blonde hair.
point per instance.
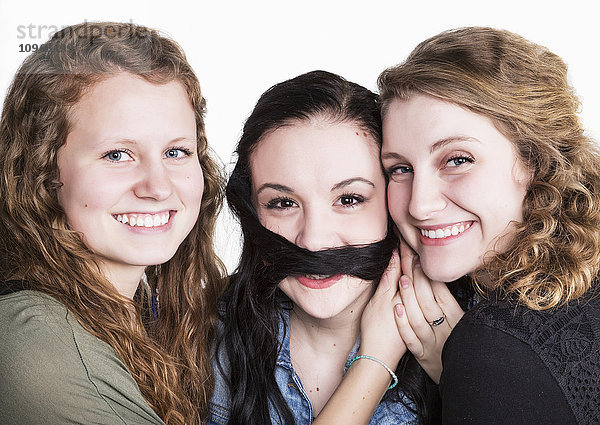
(169, 357)
(554, 257)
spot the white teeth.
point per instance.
(317, 276)
(445, 232)
(144, 220)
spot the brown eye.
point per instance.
(350, 200)
(280, 204)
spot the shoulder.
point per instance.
(570, 332)
(31, 313)
(552, 355)
(219, 405)
(52, 368)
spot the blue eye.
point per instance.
(117, 156)
(399, 172)
(457, 161)
(175, 153)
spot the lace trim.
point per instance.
(566, 339)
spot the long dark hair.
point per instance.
(253, 304)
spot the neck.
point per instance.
(125, 278)
(328, 335)
(319, 348)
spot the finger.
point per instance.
(426, 299)
(389, 279)
(407, 258)
(415, 316)
(447, 302)
(412, 342)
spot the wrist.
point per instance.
(383, 366)
(388, 354)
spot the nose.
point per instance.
(427, 197)
(316, 231)
(153, 182)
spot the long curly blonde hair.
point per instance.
(168, 357)
(554, 257)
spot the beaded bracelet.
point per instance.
(390, 371)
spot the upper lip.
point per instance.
(144, 212)
(443, 225)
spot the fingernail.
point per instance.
(399, 309)
(404, 281)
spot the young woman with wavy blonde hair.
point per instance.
(108, 196)
(492, 176)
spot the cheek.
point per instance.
(85, 192)
(190, 187)
(285, 226)
(379, 215)
(398, 200)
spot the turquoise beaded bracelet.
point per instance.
(390, 371)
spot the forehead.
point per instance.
(422, 122)
(311, 150)
(125, 106)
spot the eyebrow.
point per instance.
(279, 187)
(452, 139)
(436, 146)
(127, 141)
(349, 181)
(337, 186)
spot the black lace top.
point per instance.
(507, 364)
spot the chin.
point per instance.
(442, 274)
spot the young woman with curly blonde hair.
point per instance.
(108, 197)
(492, 176)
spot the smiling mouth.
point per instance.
(144, 220)
(317, 281)
(447, 231)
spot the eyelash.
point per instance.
(358, 199)
(276, 203)
(120, 151)
(185, 151)
(392, 171)
(465, 157)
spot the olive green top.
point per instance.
(52, 371)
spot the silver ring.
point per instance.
(437, 322)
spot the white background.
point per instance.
(240, 48)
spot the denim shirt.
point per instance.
(387, 413)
